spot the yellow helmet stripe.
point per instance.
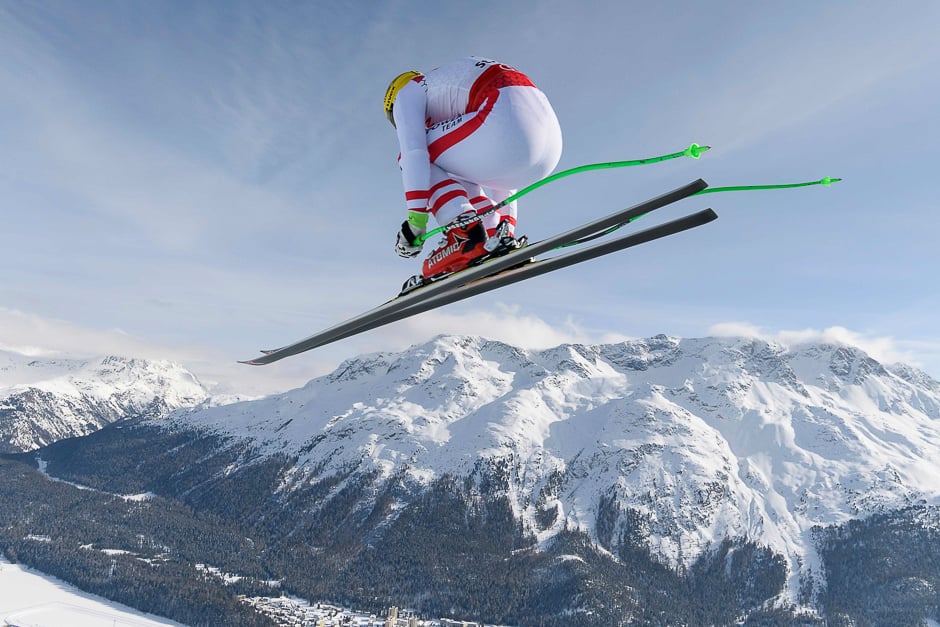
(393, 88)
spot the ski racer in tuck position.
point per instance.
(471, 133)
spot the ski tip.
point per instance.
(252, 362)
(268, 351)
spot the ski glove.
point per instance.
(403, 244)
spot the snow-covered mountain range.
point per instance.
(678, 442)
(43, 400)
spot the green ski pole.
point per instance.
(694, 151)
(825, 181)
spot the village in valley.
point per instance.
(296, 613)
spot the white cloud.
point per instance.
(885, 349)
(506, 323)
(33, 335)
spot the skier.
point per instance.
(471, 133)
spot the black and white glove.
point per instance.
(404, 245)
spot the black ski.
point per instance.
(458, 286)
(535, 268)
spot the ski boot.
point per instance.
(460, 248)
(463, 247)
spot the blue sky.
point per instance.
(197, 181)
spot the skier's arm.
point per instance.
(409, 113)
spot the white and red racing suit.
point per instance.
(471, 133)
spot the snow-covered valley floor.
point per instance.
(28, 597)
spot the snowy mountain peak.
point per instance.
(47, 399)
(699, 439)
